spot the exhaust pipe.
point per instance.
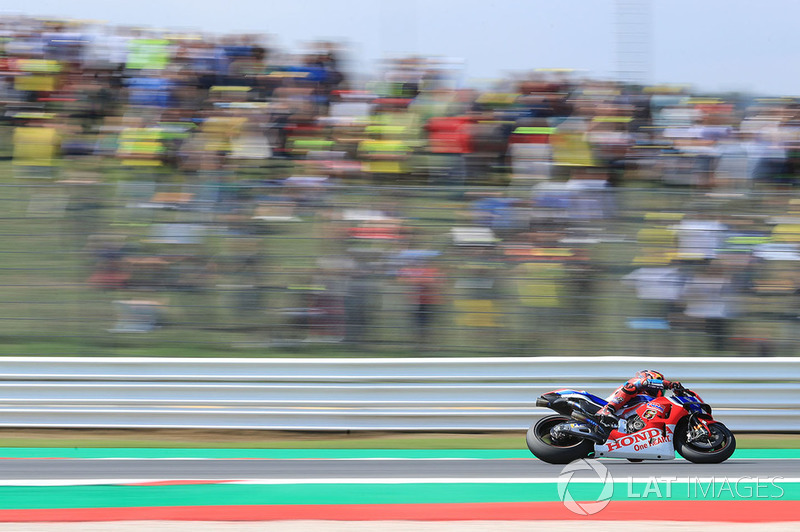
(556, 402)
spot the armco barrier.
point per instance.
(751, 394)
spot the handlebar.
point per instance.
(684, 391)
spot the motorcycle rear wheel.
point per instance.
(545, 449)
(717, 448)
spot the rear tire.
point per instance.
(715, 450)
(563, 452)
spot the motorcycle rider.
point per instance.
(645, 382)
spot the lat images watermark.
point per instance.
(705, 488)
(587, 486)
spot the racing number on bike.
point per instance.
(649, 413)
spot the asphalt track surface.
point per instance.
(35, 469)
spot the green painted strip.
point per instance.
(204, 495)
(89, 452)
(767, 453)
(54, 452)
(194, 495)
(44, 452)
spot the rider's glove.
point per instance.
(673, 385)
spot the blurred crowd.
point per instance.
(185, 104)
(506, 215)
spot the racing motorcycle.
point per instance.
(648, 428)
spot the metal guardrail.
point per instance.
(748, 394)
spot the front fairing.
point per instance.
(692, 404)
(650, 443)
(655, 441)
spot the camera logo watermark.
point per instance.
(603, 476)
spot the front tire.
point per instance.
(545, 449)
(717, 448)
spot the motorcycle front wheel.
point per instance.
(563, 451)
(717, 447)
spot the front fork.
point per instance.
(698, 429)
